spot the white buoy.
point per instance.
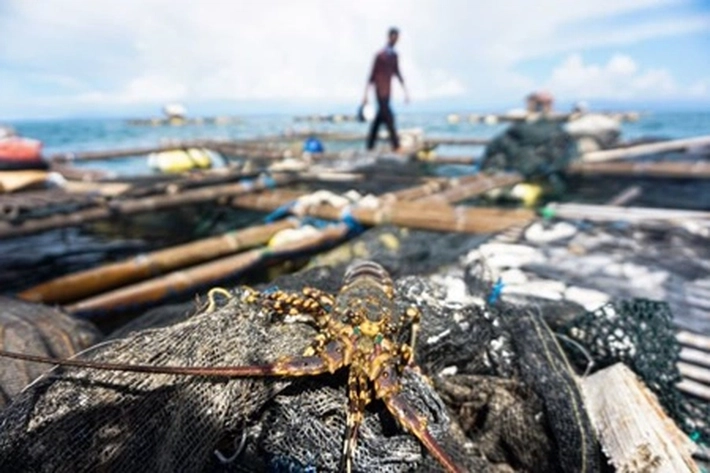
(175, 110)
(490, 120)
(453, 119)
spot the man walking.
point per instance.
(386, 65)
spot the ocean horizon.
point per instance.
(81, 134)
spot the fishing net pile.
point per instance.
(541, 148)
(35, 328)
(501, 396)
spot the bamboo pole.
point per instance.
(268, 154)
(96, 280)
(142, 205)
(118, 153)
(11, 181)
(697, 373)
(93, 281)
(698, 357)
(675, 169)
(435, 217)
(157, 289)
(72, 173)
(695, 340)
(694, 388)
(625, 196)
(645, 149)
(462, 160)
(606, 213)
(255, 153)
(100, 155)
(455, 141)
(476, 185)
(431, 186)
(694, 364)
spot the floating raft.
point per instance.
(180, 121)
(417, 202)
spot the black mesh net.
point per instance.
(541, 148)
(75, 419)
(640, 334)
(38, 330)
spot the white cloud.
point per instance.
(699, 89)
(151, 51)
(621, 78)
(139, 90)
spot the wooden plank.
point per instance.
(605, 213)
(645, 149)
(633, 430)
(667, 169)
(695, 340)
(626, 196)
(694, 372)
(695, 388)
(698, 357)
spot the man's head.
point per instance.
(392, 36)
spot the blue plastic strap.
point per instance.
(315, 222)
(346, 216)
(495, 291)
(280, 212)
(248, 184)
(269, 182)
(270, 289)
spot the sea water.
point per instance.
(76, 135)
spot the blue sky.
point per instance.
(74, 58)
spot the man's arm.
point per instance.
(401, 79)
(370, 81)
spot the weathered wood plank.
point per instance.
(634, 432)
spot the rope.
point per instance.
(354, 227)
(315, 222)
(280, 212)
(496, 291)
(248, 184)
(269, 182)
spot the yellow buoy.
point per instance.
(528, 194)
(179, 160)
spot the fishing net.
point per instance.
(39, 330)
(640, 334)
(76, 419)
(540, 148)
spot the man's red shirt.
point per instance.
(386, 65)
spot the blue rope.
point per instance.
(248, 184)
(280, 212)
(315, 222)
(270, 289)
(269, 182)
(496, 290)
(354, 227)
